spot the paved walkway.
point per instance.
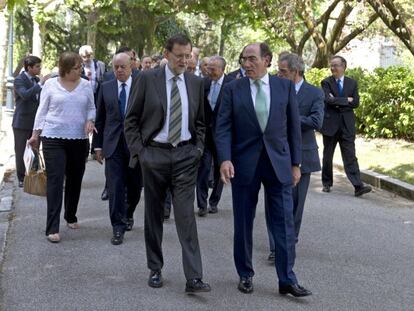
(354, 254)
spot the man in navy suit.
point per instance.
(212, 97)
(341, 98)
(27, 88)
(110, 144)
(310, 101)
(258, 139)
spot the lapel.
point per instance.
(302, 93)
(190, 94)
(113, 94)
(273, 99)
(334, 87)
(345, 87)
(225, 80)
(160, 85)
(246, 92)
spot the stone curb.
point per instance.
(385, 182)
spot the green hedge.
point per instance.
(386, 100)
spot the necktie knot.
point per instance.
(123, 85)
(258, 83)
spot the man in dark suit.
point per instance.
(27, 88)
(341, 98)
(212, 98)
(238, 73)
(164, 129)
(258, 141)
(109, 142)
(310, 103)
(110, 75)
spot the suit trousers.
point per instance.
(347, 144)
(65, 161)
(174, 169)
(122, 182)
(203, 175)
(280, 207)
(20, 138)
(299, 197)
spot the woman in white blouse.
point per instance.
(64, 120)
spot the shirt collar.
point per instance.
(298, 85)
(265, 79)
(29, 76)
(169, 74)
(127, 82)
(341, 78)
(220, 81)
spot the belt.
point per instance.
(167, 145)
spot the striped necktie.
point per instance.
(260, 105)
(174, 132)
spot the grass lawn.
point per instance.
(391, 157)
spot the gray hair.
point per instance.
(85, 49)
(294, 62)
(220, 59)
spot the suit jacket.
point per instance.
(109, 75)
(210, 115)
(147, 110)
(26, 95)
(337, 108)
(240, 139)
(237, 74)
(310, 102)
(109, 122)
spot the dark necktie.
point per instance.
(174, 132)
(122, 100)
(34, 81)
(339, 84)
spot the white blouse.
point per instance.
(63, 114)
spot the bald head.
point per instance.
(121, 64)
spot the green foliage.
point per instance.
(386, 101)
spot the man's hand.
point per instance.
(98, 156)
(296, 175)
(350, 99)
(226, 171)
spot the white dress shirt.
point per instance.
(127, 90)
(265, 88)
(298, 85)
(162, 136)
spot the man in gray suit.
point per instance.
(310, 102)
(27, 87)
(164, 130)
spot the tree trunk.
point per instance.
(92, 27)
(4, 41)
(37, 47)
(223, 36)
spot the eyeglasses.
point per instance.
(252, 59)
(336, 65)
(181, 57)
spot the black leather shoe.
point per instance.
(202, 212)
(326, 188)
(213, 209)
(362, 190)
(155, 279)
(246, 285)
(129, 224)
(295, 290)
(272, 256)
(104, 195)
(117, 238)
(21, 184)
(196, 286)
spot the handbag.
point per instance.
(35, 182)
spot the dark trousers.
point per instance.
(347, 144)
(63, 158)
(174, 169)
(280, 207)
(299, 197)
(204, 169)
(122, 181)
(20, 138)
